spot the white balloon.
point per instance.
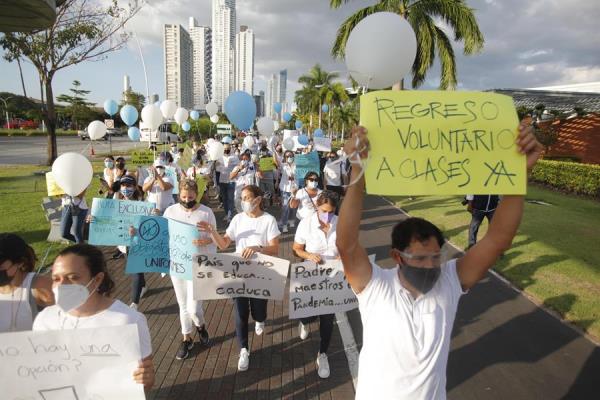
(212, 109)
(152, 116)
(215, 150)
(381, 50)
(181, 115)
(214, 118)
(288, 144)
(72, 172)
(168, 108)
(249, 142)
(210, 141)
(265, 126)
(96, 130)
(273, 140)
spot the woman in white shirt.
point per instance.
(253, 231)
(190, 211)
(315, 241)
(288, 188)
(159, 187)
(244, 174)
(304, 199)
(81, 286)
(21, 290)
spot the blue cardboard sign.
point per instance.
(112, 219)
(306, 163)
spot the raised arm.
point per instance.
(357, 266)
(222, 242)
(503, 228)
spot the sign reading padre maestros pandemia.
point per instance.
(435, 142)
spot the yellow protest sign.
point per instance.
(52, 186)
(202, 183)
(267, 164)
(442, 143)
(142, 157)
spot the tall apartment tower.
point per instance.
(244, 60)
(177, 47)
(272, 97)
(223, 55)
(282, 86)
(201, 37)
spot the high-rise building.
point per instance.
(223, 41)
(259, 99)
(244, 60)
(126, 83)
(282, 86)
(201, 37)
(178, 65)
(271, 97)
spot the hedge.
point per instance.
(568, 176)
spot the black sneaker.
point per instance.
(184, 349)
(203, 336)
(117, 254)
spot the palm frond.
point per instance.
(424, 28)
(447, 60)
(339, 47)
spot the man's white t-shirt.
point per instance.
(310, 234)
(177, 212)
(246, 231)
(286, 184)
(307, 204)
(406, 341)
(162, 198)
(226, 165)
(118, 314)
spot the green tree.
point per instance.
(79, 108)
(83, 31)
(345, 117)
(431, 38)
(136, 99)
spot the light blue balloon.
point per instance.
(277, 107)
(129, 114)
(195, 115)
(298, 124)
(303, 140)
(240, 109)
(325, 108)
(226, 140)
(134, 134)
(186, 126)
(111, 107)
(287, 117)
(319, 132)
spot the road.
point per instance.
(32, 150)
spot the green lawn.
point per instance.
(555, 257)
(35, 132)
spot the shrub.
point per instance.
(568, 176)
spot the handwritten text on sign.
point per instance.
(163, 245)
(432, 142)
(71, 364)
(112, 219)
(317, 289)
(221, 276)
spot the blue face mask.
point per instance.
(127, 192)
(109, 164)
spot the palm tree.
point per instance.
(345, 117)
(431, 39)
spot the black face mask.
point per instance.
(188, 204)
(226, 151)
(4, 278)
(422, 279)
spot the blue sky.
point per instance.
(528, 44)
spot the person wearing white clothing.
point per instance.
(159, 187)
(304, 199)
(226, 186)
(408, 311)
(287, 187)
(254, 231)
(243, 174)
(189, 211)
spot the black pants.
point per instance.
(325, 329)
(136, 286)
(244, 306)
(476, 220)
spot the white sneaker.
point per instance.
(292, 224)
(133, 306)
(259, 328)
(244, 360)
(303, 331)
(143, 291)
(284, 229)
(162, 274)
(322, 366)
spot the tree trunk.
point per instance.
(50, 121)
(21, 73)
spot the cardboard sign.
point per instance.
(71, 364)
(322, 144)
(163, 245)
(142, 157)
(317, 289)
(266, 164)
(306, 163)
(112, 219)
(52, 186)
(222, 276)
(442, 143)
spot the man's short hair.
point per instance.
(417, 229)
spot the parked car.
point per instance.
(164, 134)
(114, 132)
(83, 134)
(20, 123)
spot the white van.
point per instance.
(164, 134)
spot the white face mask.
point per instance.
(247, 206)
(70, 297)
(312, 185)
(160, 171)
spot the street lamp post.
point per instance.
(6, 109)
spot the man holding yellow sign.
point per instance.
(408, 311)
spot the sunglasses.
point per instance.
(312, 179)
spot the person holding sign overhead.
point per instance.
(159, 187)
(21, 289)
(254, 231)
(304, 199)
(408, 311)
(315, 241)
(81, 287)
(190, 211)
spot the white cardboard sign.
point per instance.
(322, 143)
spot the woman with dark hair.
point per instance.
(304, 199)
(21, 290)
(288, 188)
(81, 286)
(315, 241)
(254, 231)
(74, 212)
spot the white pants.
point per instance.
(190, 310)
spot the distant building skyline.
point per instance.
(244, 60)
(201, 37)
(178, 65)
(223, 42)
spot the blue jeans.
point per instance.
(286, 211)
(67, 221)
(476, 220)
(227, 191)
